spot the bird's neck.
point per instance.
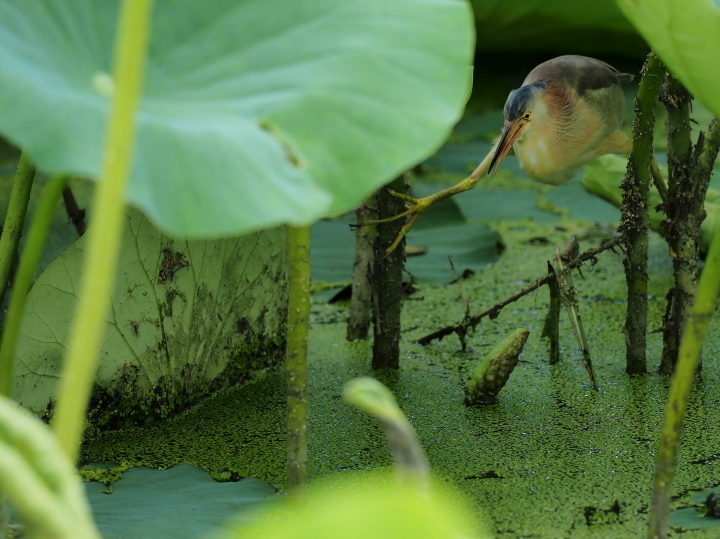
(563, 139)
(543, 150)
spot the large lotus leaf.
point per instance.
(182, 502)
(686, 36)
(254, 112)
(581, 205)
(187, 317)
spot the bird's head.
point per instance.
(523, 107)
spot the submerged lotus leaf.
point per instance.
(178, 503)
(444, 233)
(602, 178)
(253, 112)
(187, 317)
(686, 36)
(689, 518)
(699, 516)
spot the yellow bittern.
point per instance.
(567, 112)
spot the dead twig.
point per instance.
(75, 213)
(492, 312)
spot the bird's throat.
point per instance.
(540, 159)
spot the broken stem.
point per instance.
(568, 294)
(387, 280)
(551, 329)
(358, 325)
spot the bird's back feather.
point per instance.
(580, 73)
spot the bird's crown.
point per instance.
(518, 100)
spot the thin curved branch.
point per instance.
(469, 322)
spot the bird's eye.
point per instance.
(526, 116)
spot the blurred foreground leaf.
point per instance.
(686, 36)
(370, 505)
(39, 481)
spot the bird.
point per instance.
(568, 112)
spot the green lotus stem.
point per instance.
(105, 236)
(683, 220)
(24, 278)
(296, 368)
(636, 188)
(371, 396)
(690, 345)
(15, 219)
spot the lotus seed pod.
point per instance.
(491, 374)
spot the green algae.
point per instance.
(236, 433)
(552, 458)
(106, 474)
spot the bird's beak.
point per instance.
(510, 134)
